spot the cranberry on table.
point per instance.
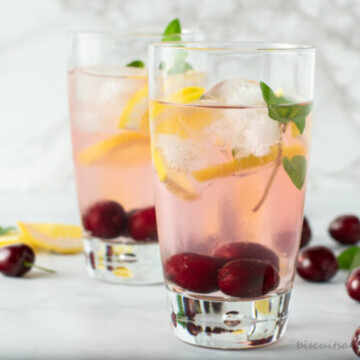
(247, 250)
(105, 219)
(355, 342)
(16, 260)
(305, 233)
(317, 264)
(193, 272)
(353, 284)
(142, 224)
(248, 278)
(345, 229)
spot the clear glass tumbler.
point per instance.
(108, 94)
(230, 146)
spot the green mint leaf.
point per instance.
(356, 261)
(296, 169)
(172, 31)
(300, 123)
(180, 65)
(350, 258)
(283, 109)
(136, 63)
(5, 230)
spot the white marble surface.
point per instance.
(71, 316)
(34, 141)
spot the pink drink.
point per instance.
(224, 207)
(113, 166)
(123, 173)
(230, 151)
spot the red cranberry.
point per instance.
(16, 260)
(305, 234)
(355, 342)
(353, 284)
(317, 264)
(142, 224)
(248, 278)
(346, 229)
(247, 250)
(193, 272)
(105, 219)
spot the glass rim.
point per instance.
(123, 34)
(233, 46)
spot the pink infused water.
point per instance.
(111, 150)
(229, 216)
(111, 163)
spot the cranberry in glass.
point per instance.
(248, 278)
(105, 219)
(142, 224)
(353, 284)
(305, 233)
(193, 272)
(317, 264)
(345, 229)
(355, 342)
(247, 250)
(16, 260)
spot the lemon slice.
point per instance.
(59, 238)
(183, 123)
(97, 151)
(248, 162)
(175, 180)
(182, 96)
(173, 83)
(10, 238)
(135, 115)
(122, 272)
(263, 306)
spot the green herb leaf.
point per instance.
(349, 259)
(180, 65)
(136, 63)
(296, 169)
(5, 230)
(172, 31)
(283, 109)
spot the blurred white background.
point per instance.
(35, 150)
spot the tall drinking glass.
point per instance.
(230, 152)
(108, 93)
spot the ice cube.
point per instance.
(239, 92)
(99, 99)
(186, 155)
(248, 130)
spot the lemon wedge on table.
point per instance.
(246, 163)
(100, 149)
(58, 238)
(135, 115)
(10, 238)
(175, 180)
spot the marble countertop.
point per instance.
(71, 316)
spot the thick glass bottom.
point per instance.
(123, 263)
(228, 324)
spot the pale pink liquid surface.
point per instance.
(223, 213)
(122, 174)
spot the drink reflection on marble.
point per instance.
(230, 147)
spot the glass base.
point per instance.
(228, 324)
(122, 262)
